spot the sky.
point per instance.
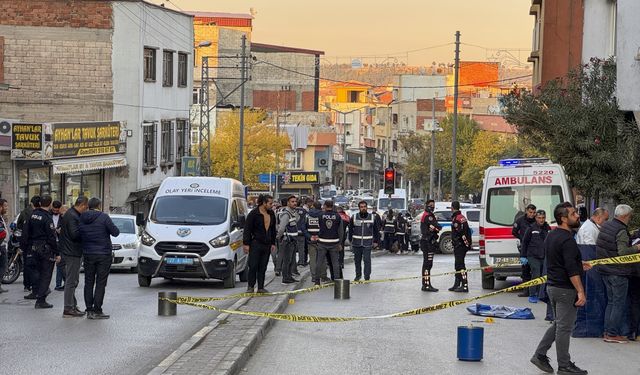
(376, 30)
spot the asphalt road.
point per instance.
(418, 344)
(133, 341)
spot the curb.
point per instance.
(254, 338)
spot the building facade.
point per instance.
(107, 89)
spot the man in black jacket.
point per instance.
(70, 247)
(613, 240)
(29, 276)
(520, 226)
(429, 229)
(39, 237)
(259, 241)
(96, 229)
(461, 240)
(533, 250)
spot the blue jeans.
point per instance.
(617, 287)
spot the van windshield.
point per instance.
(504, 204)
(396, 203)
(190, 210)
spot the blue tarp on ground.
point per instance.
(590, 319)
(501, 311)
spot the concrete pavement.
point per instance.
(420, 344)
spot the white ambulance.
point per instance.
(507, 190)
(194, 230)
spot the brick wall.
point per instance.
(427, 105)
(274, 99)
(63, 74)
(308, 101)
(57, 13)
(1, 59)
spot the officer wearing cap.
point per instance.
(461, 238)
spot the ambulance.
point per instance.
(194, 230)
(507, 189)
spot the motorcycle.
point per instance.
(15, 262)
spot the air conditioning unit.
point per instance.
(322, 162)
(5, 133)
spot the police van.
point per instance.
(194, 230)
(507, 189)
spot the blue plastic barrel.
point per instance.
(470, 342)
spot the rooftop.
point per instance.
(271, 48)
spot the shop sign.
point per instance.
(302, 177)
(87, 139)
(26, 141)
(190, 166)
(89, 165)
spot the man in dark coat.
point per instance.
(70, 247)
(96, 228)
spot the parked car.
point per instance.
(444, 219)
(125, 246)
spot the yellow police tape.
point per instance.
(197, 301)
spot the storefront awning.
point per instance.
(142, 195)
(88, 164)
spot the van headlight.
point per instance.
(132, 245)
(221, 240)
(146, 239)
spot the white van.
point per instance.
(194, 230)
(398, 201)
(507, 190)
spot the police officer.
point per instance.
(407, 232)
(329, 239)
(287, 237)
(401, 227)
(312, 230)
(364, 233)
(301, 239)
(39, 236)
(30, 272)
(429, 229)
(389, 230)
(520, 226)
(461, 238)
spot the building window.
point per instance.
(353, 96)
(395, 118)
(149, 65)
(89, 184)
(294, 159)
(182, 69)
(395, 145)
(167, 68)
(149, 131)
(182, 139)
(166, 137)
(195, 96)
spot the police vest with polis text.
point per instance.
(329, 228)
(363, 229)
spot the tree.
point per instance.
(261, 144)
(418, 148)
(467, 129)
(576, 120)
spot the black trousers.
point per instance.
(258, 260)
(30, 274)
(634, 292)
(96, 273)
(459, 252)
(428, 252)
(44, 270)
(389, 238)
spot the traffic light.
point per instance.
(389, 181)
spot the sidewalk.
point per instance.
(226, 344)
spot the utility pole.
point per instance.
(204, 139)
(243, 73)
(432, 151)
(455, 118)
(344, 153)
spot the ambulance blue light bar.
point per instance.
(510, 162)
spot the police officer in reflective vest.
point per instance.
(389, 230)
(330, 239)
(287, 237)
(39, 236)
(364, 233)
(461, 238)
(302, 221)
(312, 230)
(401, 227)
(429, 229)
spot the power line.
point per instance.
(397, 87)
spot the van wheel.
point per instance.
(446, 244)
(488, 281)
(144, 281)
(230, 280)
